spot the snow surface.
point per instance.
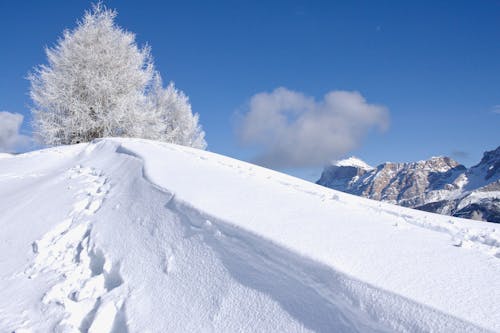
(354, 162)
(5, 155)
(129, 235)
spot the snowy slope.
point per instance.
(5, 155)
(125, 235)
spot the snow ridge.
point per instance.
(349, 305)
(341, 303)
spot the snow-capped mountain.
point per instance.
(439, 185)
(129, 235)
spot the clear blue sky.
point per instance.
(434, 64)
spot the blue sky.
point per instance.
(434, 65)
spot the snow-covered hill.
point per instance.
(126, 235)
(439, 185)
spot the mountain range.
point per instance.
(439, 184)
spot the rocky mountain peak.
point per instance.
(439, 184)
(491, 163)
(439, 164)
(353, 162)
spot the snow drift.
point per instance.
(129, 235)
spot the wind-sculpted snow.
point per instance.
(126, 235)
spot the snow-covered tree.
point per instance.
(99, 83)
(94, 83)
(179, 124)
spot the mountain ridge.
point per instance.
(439, 184)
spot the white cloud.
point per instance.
(11, 139)
(496, 109)
(295, 130)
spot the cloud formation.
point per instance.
(11, 140)
(496, 109)
(460, 154)
(294, 130)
